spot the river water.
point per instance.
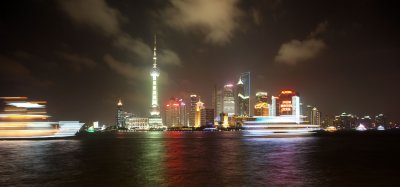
(201, 159)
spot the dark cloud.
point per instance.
(94, 13)
(216, 20)
(296, 51)
(77, 62)
(17, 73)
(125, 69)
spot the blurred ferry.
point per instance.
(284, 116)
(286, 124)
(21, 119)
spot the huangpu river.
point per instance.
(202, 159)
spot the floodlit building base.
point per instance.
(156, 123)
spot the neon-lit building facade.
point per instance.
(175, 113)
(155, 120)
(289, 103)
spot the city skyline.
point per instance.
(83, 63)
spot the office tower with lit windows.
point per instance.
(261, 108)
(120, 116)
(315, 117)
(155, 120)
(175, 113)
(245, 79)
(242, 101)
(193, 104)
(262, 97)
(229, 100)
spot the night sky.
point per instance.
(83, 55)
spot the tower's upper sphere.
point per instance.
(155, 72)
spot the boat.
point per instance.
(279, 125)
(21, 119)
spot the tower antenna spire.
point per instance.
(155, 51)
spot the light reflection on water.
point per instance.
(195, 159)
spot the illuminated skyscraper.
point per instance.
(315, 117)
(242, 101)
(261, 107)
(262, 97)
(175, 113)
(155, 120)
(193, 103)
(120, 116)
(229, 100)
(289, 103)
(245, 78)
(199, 117)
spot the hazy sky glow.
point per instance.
(83, 55)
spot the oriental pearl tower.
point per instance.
(155, 120)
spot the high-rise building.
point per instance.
(245, 78)
(262, 97)
(175, 113)
(242, 101)
(274, 106)
(155, 120)
(289, 103)
(200, 117)
(229, 100)
(217, 101)
(315, 117)
(120, 118)
(296, 106)
(307, 111)
(193, 103)
(261, 108)
(209, 112)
